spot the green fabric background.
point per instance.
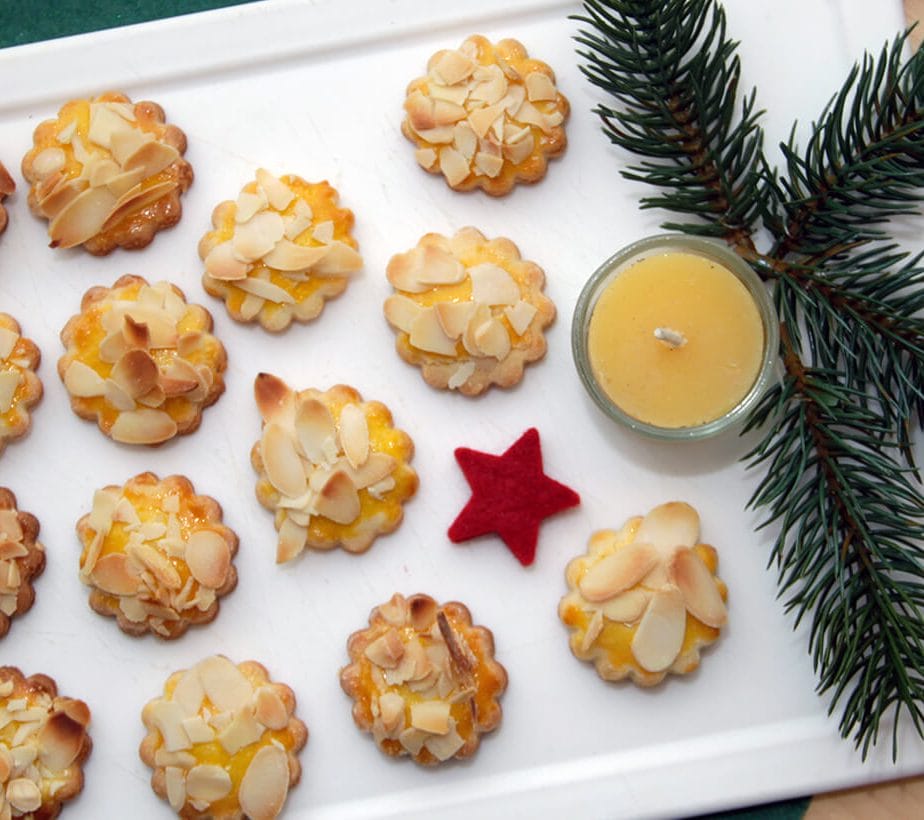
(29, 21)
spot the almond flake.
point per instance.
(117, 396)
(143, 426)
(618, 572)
(152, 156)
(275, 399)
(401, 311)
(457, 94)
(120, 184)
(443, 747)
(492, 339)
(454, 317)
(248, 205)
(481, 119)
(208, 782)
(265, 784)
(700, 594)
(670, 525)
(659, 636)
(8, 340)
(403, 271)
(391, 709)
(453, 67)
(492, 285)
(23, 795)
(520, 316)
(82, 218)
(323, 231)
(189, 692)
(113, 574)
(126, 143)
(49, 160)
(427, 334)
(461, 375)
(224, 684)
(338, 499)
(299, 220)
(426, 157)
(283, 466)
(265, 290)
(175, 781)
(288, 256)
(594, 628)
(431, 716)
(208, 557)
(221, 263)
(167, 718)
(465, 141)
(626, 607)
(135, 372)
(374, 469)
(539, 86)
(277, 192)
(419, 109)
(441, 135)
(339, 260)
(453, 165)
(198, 730)
(447, 113)
(354, 435)
(103, 123)
(439, 267)
(258, 236)
(9, 381)
(292, 539)
(269, 709)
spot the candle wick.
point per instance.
(672, 338)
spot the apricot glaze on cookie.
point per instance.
(331, 466)
(107, 173)
(486, 116)
(141, 361)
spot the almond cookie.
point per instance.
(22, 559)
(331, 467)
(424, 680)
(645, 599)
(156, 555)
(468, 310)
(280, 251)
(223, 741)
(43, 745)
(107, 173)
(20, 387)
(141, 361)
(485, 116)
(7, 186)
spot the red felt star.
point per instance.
(511, 495)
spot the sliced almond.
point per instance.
(82, 218)
(23, 795)
(618, 572)
(288, 256)
(674, 524)
(224, 684)
(492, 285)
(492, 339)
(540, 86)
(8, 340)
(403, 271)
(339, 260)
(375, 468)
(283, 466)
(422, 612)
(265, 784)
(481, 119)
(240, 732)
(426, 157)
(453, 165)
(259, 236)
(314, 425)
(299, 220)
(520, 315)
(391, 710)
(167, 717)
(207, 782)
(292, 539)
(419, 109)
(481, 315)
(447, 113)
(221, 263)
(699, 590)
(453, 67)
(443, 747)
(354, 435)
(208, 557)
(489, 164)
(269, 709)
(338, 499)
(626, 607)
(113, 574)
(126, 143)
(492, 86)
(431, 716)
(137, 199)
(400, 311)
(60, 740)
(61, 195)
(277, 192)
(461, 375)
(117, 396)
(121, 183)
(152, 156)
(427, 334)
(143, 426)
(9, 382)
(46, 162)
(439, 267)
(457, 94)
(103, 123)
(465, 141)
(440, 135)
(275, 399)
(189, 692)
(454, 317)
(386, 651)
(135, 372)
(659, 636)
(156, 562)
(594, 628)
(180, 377)
(265, 290)
(248, 204)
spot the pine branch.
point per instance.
(838, 479)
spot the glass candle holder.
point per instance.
(675, 337)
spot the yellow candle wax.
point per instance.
(675, 340)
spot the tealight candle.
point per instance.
(675, 336)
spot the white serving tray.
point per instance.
(315, 88)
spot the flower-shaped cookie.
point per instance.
(485, 116)
(43, 745)
(156, 555)
(644, 600)
(141, 361)
(22, 559)
(424, 680)
(7, 186)
(223, 741)
(107, 173)
(280, 251)
(20, 387)
(468, 310)
(331, 467)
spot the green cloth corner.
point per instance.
(29, 21)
